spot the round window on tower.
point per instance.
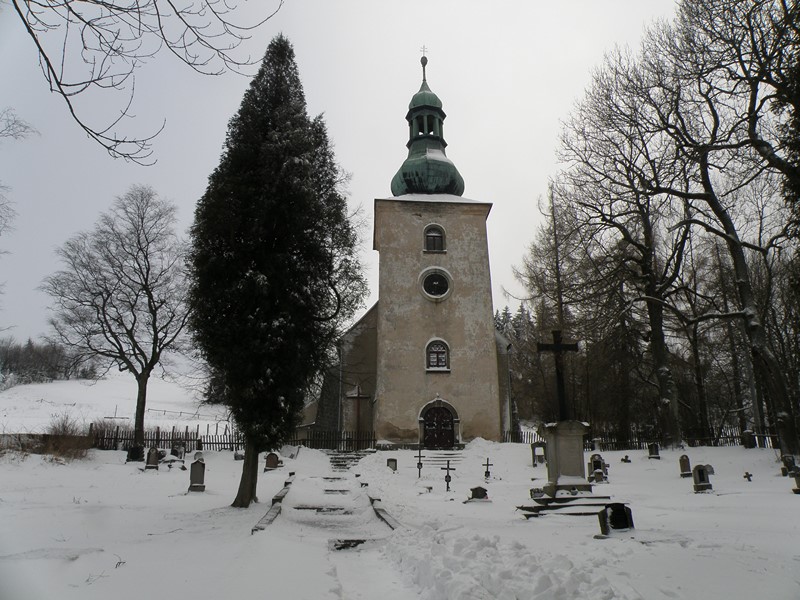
(436, 284)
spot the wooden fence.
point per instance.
(118, 438)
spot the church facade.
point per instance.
(425, 365)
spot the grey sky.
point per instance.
(507, 73)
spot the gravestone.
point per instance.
(478, 493)
(686, 467)
(152, 459)
(198, 455)
(486, 473)
(178, 451)
(615, 517)
(625, 459)
(596, 463)
(271, 462)
(135, 454)
(238, 455)
(748, 475)
(789, 467)
(701, 481)
(598, 476)
(565, 467)
(796, 488)
(748, 439)
(392, 464)
(653, 451)
(537, 457)
(197, 474)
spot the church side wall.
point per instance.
(358, 350)
(408, 320)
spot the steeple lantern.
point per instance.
(427, 170)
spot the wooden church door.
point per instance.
(438, 428)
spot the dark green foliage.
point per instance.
(273, 269)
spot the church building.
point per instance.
(425, 365)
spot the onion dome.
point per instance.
(427, 170)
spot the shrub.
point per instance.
(65, 438)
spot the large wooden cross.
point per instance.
(558, 348)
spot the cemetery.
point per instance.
(387, 525)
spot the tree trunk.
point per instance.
(141, 401)
(668, 399)
(766, 367)
(249, 480)
(699, 383)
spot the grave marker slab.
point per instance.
(392, 464)
(701, 481)
(653, 451)
(686, 467)
(271, 462)
(478, 493)
(152, 459)
(565, 466)
(615, 517)
(197, 475)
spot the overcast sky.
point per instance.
(507, 73)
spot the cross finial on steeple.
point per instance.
(423, 60)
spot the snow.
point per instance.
(99, 528)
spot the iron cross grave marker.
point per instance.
(558, 348)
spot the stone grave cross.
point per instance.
(487, 464)
(558, 348)
(419, 462)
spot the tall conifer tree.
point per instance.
(273, 261)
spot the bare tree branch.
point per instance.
(98, 44)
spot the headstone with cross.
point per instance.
(564, 439)
(748, 475)
(447, 478)
(487, 464)
(419, 462)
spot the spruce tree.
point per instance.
(273, 265)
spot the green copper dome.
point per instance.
(424, 97)
(427, 170)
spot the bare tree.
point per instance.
(86, 45)
(121, 297)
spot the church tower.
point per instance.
(438, 379)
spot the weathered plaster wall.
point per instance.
(407, 320)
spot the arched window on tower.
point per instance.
(434, 239)
(437, 356)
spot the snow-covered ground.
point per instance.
(102, 528)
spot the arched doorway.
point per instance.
(438, 427)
